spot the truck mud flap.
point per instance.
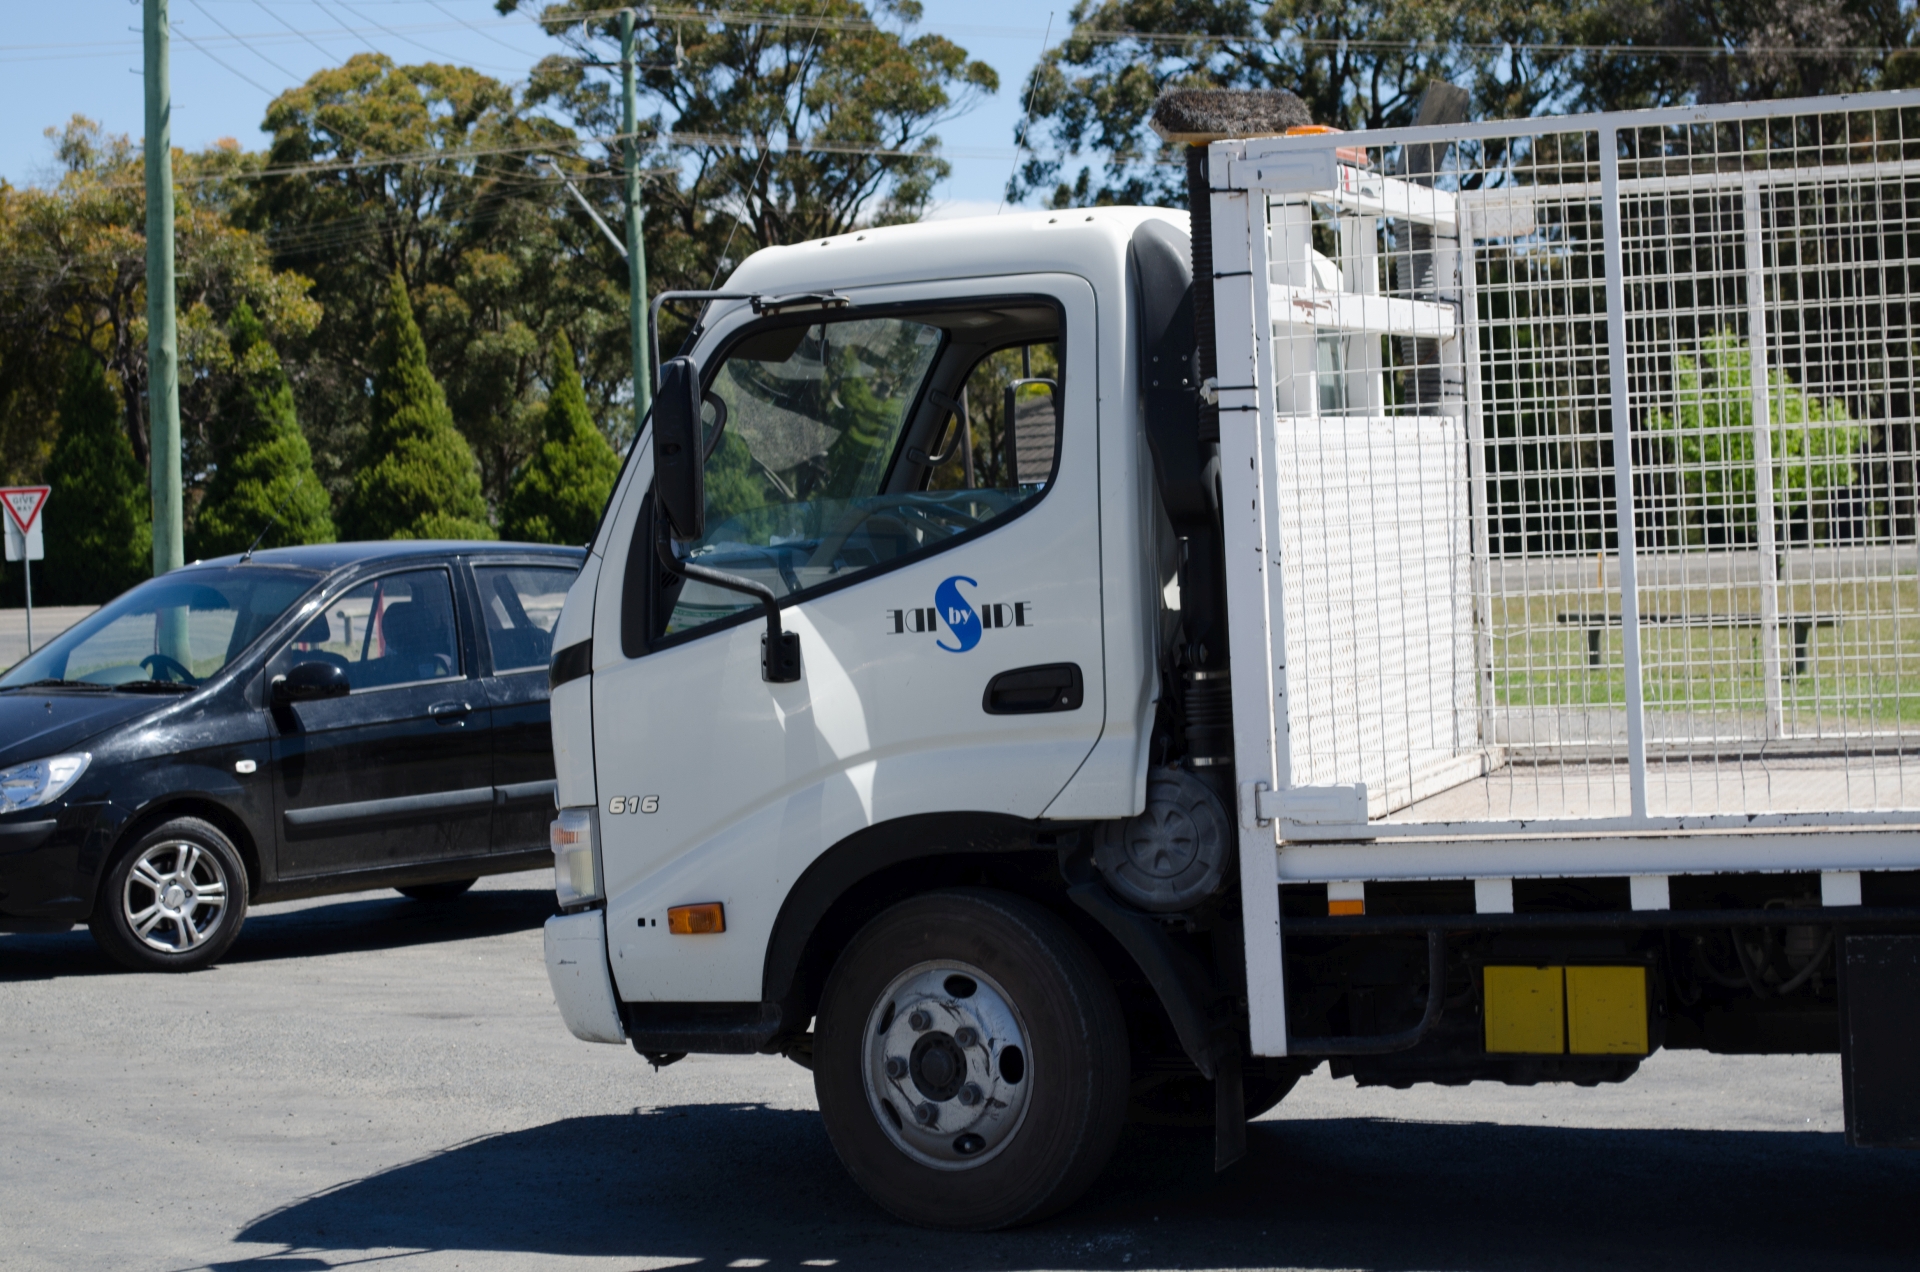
(1880, 1039)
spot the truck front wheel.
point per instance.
(971, 1061)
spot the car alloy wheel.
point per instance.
(174, 896)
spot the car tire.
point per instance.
(173, 900)
(446, 891)
(970, 1061)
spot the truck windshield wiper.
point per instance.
(58, 684)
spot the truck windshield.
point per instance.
(177, 629)
(847, 447)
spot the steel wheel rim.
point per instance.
(948, 1074)
(174, 897)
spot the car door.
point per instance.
(399, 771)
(518, 603)
(862, 476)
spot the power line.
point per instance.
(256, 52)
(219, 61)
(324, 52)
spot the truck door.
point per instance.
(918, 482)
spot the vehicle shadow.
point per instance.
(711, 1184)
(362, 922)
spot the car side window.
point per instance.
(398, 629)
(847, 445)
(520, 604)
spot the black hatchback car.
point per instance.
(301, 721)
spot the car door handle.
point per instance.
(1028, 690)
(449, 712)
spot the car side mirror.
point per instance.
(679, 455)
(310, 681)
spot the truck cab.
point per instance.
(940, 471)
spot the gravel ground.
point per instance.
(368, 1080)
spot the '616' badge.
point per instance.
(633, 804)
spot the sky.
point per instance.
(59, 58)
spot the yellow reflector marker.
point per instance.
(1347, 907)
(1526, 1011)
(1607, 1011)
(696, 920)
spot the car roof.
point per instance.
(334, 556)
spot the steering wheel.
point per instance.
(158, 662)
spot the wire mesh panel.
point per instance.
(1595, 493)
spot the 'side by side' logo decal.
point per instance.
(959, 616)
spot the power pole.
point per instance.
(636, 246)
(163, 352)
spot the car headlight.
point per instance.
(40, 782)
(576, 855)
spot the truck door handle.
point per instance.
(1028, 690)
(449, 712)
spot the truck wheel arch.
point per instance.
(866, 871)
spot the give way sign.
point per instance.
(22, 505)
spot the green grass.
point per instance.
(1865, 670)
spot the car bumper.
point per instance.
(50, 861)
(577, 968)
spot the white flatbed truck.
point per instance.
(1042, 670)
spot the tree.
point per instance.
(99, 528)
(1640, 53)
(558, 496)
(265, 479)
(430, 171)
(417, 478)
(800, 119)
(1365, 64)
(75, 278)
(1356, 64)
(1814, 444)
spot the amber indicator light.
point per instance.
(697, 920)
(1347, 907)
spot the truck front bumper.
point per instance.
(577, 968)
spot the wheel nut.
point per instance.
(925, 1114)
(965, 1036)
(969, 1095)
(896, 1067)
(919, 1021)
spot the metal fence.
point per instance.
(1587, 464)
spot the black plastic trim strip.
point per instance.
(571, 663)
(517, 794)
(371, 813)
(32, 832)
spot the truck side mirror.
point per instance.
(679, 458)
(310, 681)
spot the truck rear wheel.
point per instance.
(970, 1060)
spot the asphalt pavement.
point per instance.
(372, 1082)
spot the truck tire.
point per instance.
(970, 1060)
(173, 900)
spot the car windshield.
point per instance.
(178, 629)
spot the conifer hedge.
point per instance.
(417, 478)
(265, 479)
(99, 516)
(560, 491)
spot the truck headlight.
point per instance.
(40, 782)
(575, 837)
